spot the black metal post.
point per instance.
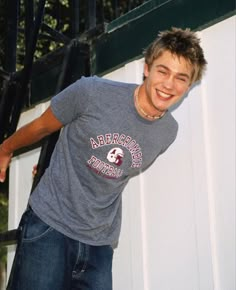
(26, 74)
(12, 25)
(91, 14)
(115, 8)
(29, 22)
(9, 66)
(75, 18)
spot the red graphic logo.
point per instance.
(115, 156)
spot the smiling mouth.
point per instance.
(163, 96)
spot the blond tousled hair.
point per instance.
(180, 42)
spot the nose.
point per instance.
(168, 82)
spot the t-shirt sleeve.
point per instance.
(172, 136)
(73, 101)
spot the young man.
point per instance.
(111, 131)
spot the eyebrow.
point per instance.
(179, 74)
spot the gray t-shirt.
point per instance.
(103, 143)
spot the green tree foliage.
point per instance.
(58, 15)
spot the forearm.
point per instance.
(32, 132)
(25, 136)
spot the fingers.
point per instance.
(5, 160)
(34, 171)
(2, 174)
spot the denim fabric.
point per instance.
(47, 260)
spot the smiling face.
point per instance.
(166, 82)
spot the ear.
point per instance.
(146, 70)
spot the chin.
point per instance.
(161, 107)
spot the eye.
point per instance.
(184, 80)
(162, 72)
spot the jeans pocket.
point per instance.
(35, 228)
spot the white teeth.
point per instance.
(163, 94)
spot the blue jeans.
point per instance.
(48, 260)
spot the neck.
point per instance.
(143, 112)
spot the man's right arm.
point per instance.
(29, 134)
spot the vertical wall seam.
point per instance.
(144, 234)
(194, 201)
(211, 200)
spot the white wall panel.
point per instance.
(188, 207)
(219, 111)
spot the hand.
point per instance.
(5, 159)
(34, 171)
